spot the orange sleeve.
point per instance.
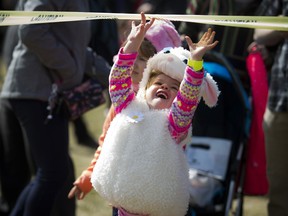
(110, 116)
(83, 182)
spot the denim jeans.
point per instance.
(46, 145)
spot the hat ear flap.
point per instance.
(209, 91)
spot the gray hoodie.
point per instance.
(58, 49)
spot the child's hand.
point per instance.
(76, 192)
(82, 185)
(137, 35)
(206, 43)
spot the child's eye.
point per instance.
(158, 83)
(175, 88)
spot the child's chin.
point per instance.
(160, 103)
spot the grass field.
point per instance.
(93, 205)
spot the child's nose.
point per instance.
(164, 86)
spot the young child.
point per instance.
(143, 170)
(162, 34)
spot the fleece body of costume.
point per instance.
(142, 168)
(143, 175)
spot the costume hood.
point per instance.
(173, 62)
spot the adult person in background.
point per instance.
(12, 189)
(43, 50)
(275, 122)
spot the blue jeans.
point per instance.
(48, 146)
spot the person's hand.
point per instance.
(206, 43)
(82, 186)
(255, 47)
(76, 192)
(137, 35)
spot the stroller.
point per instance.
(216, 154)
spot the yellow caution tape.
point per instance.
(8, 18)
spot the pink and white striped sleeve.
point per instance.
(120, 83)
(185, 104)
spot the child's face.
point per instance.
(162, 92)
(138, 69)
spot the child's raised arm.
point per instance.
(137, 35)
(209, 89)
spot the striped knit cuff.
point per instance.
(127, 56)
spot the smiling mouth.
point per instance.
(162, 95)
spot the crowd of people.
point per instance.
(156, 82)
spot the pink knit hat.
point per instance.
(163, 34)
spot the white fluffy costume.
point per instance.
(141, 168)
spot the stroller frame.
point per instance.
(234, 180)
